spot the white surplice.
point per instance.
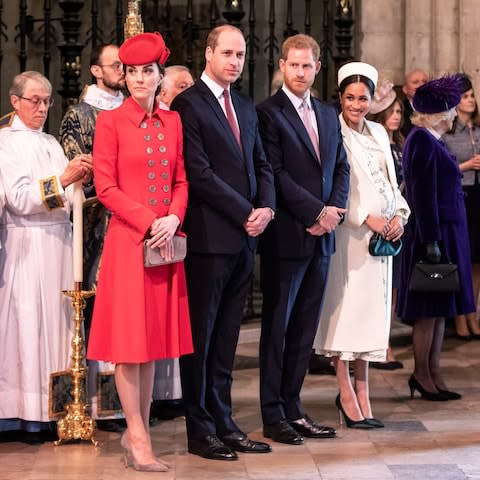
(35, 266)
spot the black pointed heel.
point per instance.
(374, 422)
(425, 394)
(450, 394)
(360, 424)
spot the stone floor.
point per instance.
(421, 440)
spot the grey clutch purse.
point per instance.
(152, 257)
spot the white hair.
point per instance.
(431, 119)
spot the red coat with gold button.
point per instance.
(140, 314)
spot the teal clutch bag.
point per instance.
(379, 247)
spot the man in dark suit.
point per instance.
(302, 140)
(413, 80)
(231, 201)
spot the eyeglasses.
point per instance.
(36, 101)
(116, 66)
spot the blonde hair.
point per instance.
(430, 119)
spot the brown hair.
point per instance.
(301, 42)
(212, 39)
(384, 115)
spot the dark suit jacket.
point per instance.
(225, 182)
(303, 185)
(407, 112)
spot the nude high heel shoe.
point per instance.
(130, 461)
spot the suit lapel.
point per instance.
(292, 116)
(242, 118)
(356, 151)
(382, 141)
(217, 109)
(322, 140)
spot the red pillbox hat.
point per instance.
(144, 48)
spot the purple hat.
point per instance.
(438, 95)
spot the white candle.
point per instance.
(77, 232)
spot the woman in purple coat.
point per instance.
(436, 232)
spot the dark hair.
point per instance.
(97, 53)
(161, 69)
(356, 79)
(466, 86)
(384, 115)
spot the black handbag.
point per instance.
(379, 247)
(435, 278)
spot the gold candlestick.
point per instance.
(77, 424)
(133, 21)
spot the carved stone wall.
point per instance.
(438, 36)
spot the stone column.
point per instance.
(445, 37)
(381, 37)
(469, 39)
(419, 24)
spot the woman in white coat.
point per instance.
(355, 319)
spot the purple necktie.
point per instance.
(231, 117)
(307, 121)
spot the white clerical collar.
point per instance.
(98, 98)
(297, 101)
(216, 89)
(17, 125)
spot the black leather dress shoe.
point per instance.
(308, 428)
(114, 425)
(241, 443)
(167, 409)
(211, 447)
(282, 432)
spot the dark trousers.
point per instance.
(292, 297)
(217, 289)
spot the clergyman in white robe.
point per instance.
(35, 266)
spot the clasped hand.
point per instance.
(327, 222)
(257, 221)
(162, 232)
(474, 162)
(79, 168)
(391, 229)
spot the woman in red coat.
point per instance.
(141, 314)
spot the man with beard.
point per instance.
(76, 136)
